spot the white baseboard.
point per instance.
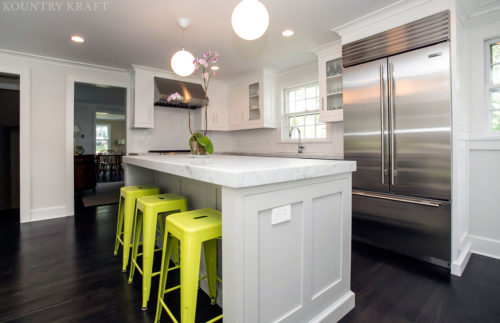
(48, 213)
(485, 246)
(337, 310)
(458, 265)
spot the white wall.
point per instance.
(484, 147)
(48, 127)
(170, 132)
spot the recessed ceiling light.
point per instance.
(287, 33)
(215, 68)
(77, 39)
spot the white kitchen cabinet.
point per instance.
(143, 89)
(217, 108)
(330, 82)
(251, 101)
(237, 105)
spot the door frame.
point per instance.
(71, 79)
(24, 139)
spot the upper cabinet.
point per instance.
(251, 102)
(143, 91)
(330, 82)
(217, 117)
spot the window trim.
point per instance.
(108, 125)
(284, 116)
(489, 86)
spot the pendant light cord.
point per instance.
(182, 38)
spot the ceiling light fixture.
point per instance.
(182, 62)
(215, 68)
(77, 39)
(250, 19)
(287, 33)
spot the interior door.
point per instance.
(366, 124)
(420, 107)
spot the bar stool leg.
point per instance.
(135, 246)
(190, 270)
(127, 231)
(175, 251)
(165, 260)
(210, 248)
(148, 247)
(119, 225)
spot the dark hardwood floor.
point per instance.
(394, 288)
(62, 270)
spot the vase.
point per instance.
(197, 149)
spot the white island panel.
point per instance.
(294, 271)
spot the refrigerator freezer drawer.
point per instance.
(416, 228)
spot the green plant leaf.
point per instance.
(205, 142)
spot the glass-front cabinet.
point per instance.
(253, 102)
(330, 82)
(334, 84)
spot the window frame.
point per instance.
(489, 85)
(285, 115)
(107, 125)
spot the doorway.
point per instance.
(99, 143)
(9, 148)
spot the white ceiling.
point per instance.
(146, 32)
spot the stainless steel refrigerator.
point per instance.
(397, 127)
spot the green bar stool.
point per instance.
(192, 229)
(126, 206)
(148, 210)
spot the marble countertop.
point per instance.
(241, 171)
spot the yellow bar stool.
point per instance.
(192, 229)
(148, 211)
(126, 206)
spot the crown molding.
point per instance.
(59, 61)
(485, 8)
(329, 48)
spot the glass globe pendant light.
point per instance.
(250, 19)
(182, 62)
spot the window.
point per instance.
(102, 135)
(302, 112)
(494, 86)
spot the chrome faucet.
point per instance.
(300, 147)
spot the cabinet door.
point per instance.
(330, 75)
(217, 109)
(143, 100)
(238, 99)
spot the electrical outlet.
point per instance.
(281, 214)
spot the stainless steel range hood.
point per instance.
(192, 92)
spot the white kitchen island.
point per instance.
(288, 265)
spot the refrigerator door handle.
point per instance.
(382, 107)
(404, 199)
(391, 105)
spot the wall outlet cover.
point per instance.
(281, 214)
